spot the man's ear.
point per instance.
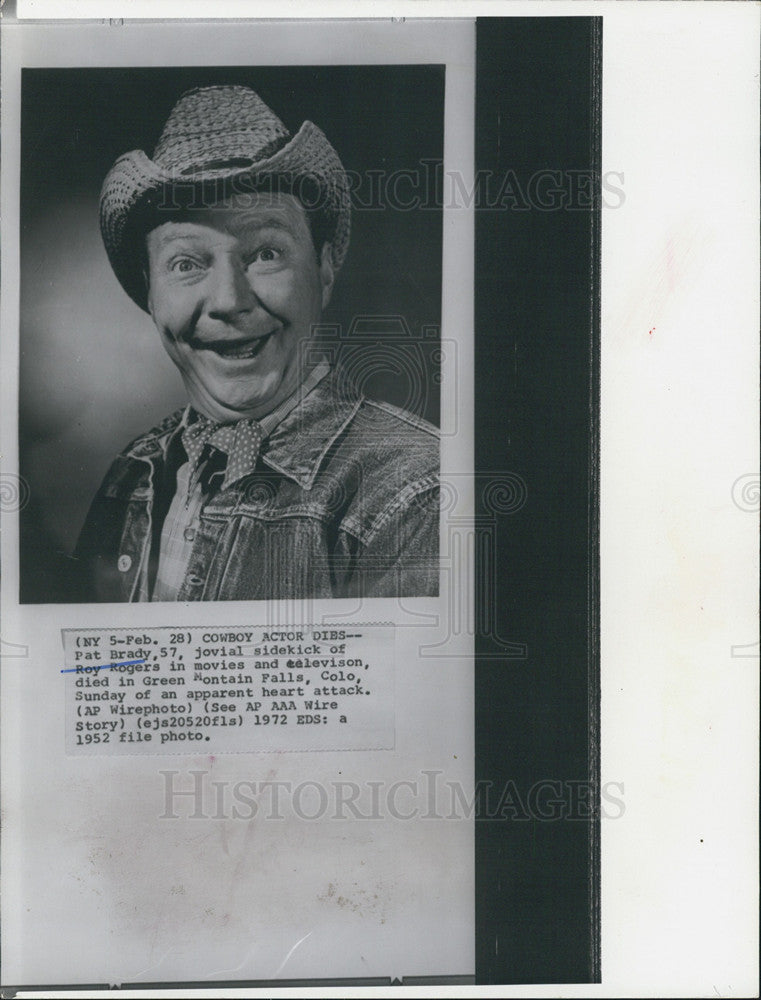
(327, 273)
(147, 285)
(145, 271)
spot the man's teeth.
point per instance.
(247, 350)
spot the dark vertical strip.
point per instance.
(537, 261)
(593, 506)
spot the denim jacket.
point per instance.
(343, 502)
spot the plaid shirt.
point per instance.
(218, 455)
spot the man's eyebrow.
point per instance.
(272, 222)
(172, 235)
(184, 229)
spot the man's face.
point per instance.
(234, 288)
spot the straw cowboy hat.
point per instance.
(216, 136)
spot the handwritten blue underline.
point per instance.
(103, 666)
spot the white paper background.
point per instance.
(97, 887)
(679, 554)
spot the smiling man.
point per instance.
(235, 290)
(279, 479)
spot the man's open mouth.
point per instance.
(237, 349)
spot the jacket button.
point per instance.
(124, 563)
(258, 494)
(194, 580)
(189, 534)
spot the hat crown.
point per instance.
(213, 128)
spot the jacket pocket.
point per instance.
(275, 559)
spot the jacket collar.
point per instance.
(296, 446)
(299, 443)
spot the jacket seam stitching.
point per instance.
(269, 518)
(398, 503)
(153, 437)
(408, 418)
(306, 480)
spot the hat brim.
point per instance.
(136, 188)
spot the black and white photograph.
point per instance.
(303, 457)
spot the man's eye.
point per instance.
(266, 255)
(183, 265)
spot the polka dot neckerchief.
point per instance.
(240, 442)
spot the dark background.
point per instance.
(537, 406)
(93, 374)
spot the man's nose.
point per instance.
(230, 293)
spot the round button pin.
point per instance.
(124, 563)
